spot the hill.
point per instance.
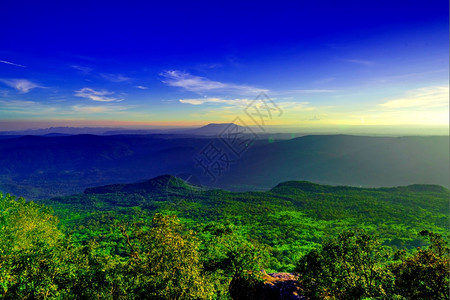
(290, 219)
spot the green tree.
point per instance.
(165, 263)
(424, 275)
(351, 266)
(28, 259)
(232, 262)
(37, 261)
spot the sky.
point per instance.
(332, 65)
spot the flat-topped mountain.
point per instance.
(214, 129)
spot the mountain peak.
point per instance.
(211, 129)
(218, 125)
(305, 186)
(157, 184)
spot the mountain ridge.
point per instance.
(45, 166)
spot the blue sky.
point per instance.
(326, 64)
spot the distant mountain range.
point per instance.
(62, 130)
(45, 166)
(207, 130)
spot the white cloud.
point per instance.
(17, 103)
(141, 87)
(82, 69)
(96, 95)
(201, 84)
(227, 106)
(22, 85)
(41, 109)
(199, 101)
(304, 91)
(97, 109)
(114, 77)
(292, 106)
(26, 107)
(11, 63)
(428, 97)
(359, 61)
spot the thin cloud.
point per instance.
(428, 97)
(294, 106)
(200, 101)
(305, 91)
(22, 85)
(11, 63)
(232, 104)
(359, 61)
(141, 87)
(324, 80)
(26, 107)
(39, 109)
(201, 84)
(97, 109)
(17, 103)
(114, 77)
(82, 69)
(96, 95)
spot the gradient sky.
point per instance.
(328, 64)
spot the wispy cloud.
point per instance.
(410, 76)
(11, 63)
(227, 106)
(200, 101)
(114, 77)
(16, 103)
(34, 108)
(358, 61)
(302, 91)
(82, 69)
(428, 97)
(141, 87)
(294, 106)
(26, 107)
(324, 80)
(97, 95)
(22, 85)
(98, 109)
(201, 84)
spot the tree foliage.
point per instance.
(115, 256)
(424, 275)
(347, 267)
(165, 263)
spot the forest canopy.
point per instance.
(211, 246)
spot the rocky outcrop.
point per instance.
(275, 286)
(281, 286)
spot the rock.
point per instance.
(281, 286)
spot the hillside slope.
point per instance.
(291, 218)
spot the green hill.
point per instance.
(290, 219)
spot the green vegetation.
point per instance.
(355, 266)
(163, 259)
(291, 219)
(165, 239)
